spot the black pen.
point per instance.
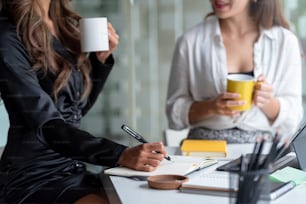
(252, 156)
(243, 164)
(258, 153)
(138, 137)
(270, 157)
(281, 150)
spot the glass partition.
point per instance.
(135, 93)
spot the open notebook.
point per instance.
(179, 165)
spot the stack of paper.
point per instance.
(226, 184)
(178, 165)
(215, 181)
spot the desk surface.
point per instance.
(128, 191)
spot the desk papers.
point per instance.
(220, 184)
(214, 183)
(179, 165)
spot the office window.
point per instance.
(135, 93)
(136, 90)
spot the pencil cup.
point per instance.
(251, 187)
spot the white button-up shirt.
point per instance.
(199, 72)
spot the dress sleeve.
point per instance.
(80, 145)
(178, 96)
(32, 109)
(99, 75)
(24, 98)
(288, 86)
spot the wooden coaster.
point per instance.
(166, 181)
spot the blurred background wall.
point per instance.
(135, 92)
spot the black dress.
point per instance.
(42, 160)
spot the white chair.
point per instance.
(173, 138)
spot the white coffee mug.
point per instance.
(94, 34)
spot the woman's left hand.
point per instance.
(263, 92)
(113, 43)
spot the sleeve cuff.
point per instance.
(95, 62)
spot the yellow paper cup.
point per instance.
(244, 85)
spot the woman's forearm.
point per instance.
(271, 109)
(199, 111)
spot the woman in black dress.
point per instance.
(47, 86)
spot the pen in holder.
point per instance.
(251, 186)
(252, 180)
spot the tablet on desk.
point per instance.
(297, 160)
(234, 165)
(298, 144)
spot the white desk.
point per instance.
(128, 191)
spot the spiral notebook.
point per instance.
(179, 165)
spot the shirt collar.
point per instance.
(215, 28)
(267, 32)
(216, 31)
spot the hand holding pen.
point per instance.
(144, 157)
(138, 137)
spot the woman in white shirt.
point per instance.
(240, 36)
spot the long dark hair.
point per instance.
(267, 13)
(36, 37)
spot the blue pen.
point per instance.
(137, 136)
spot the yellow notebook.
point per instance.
(204, 148)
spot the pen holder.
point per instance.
(251, 187)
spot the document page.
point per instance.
(215, 180)
(179, 165)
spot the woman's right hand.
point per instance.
(143, 157)
(223, 103)
(113, 43)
